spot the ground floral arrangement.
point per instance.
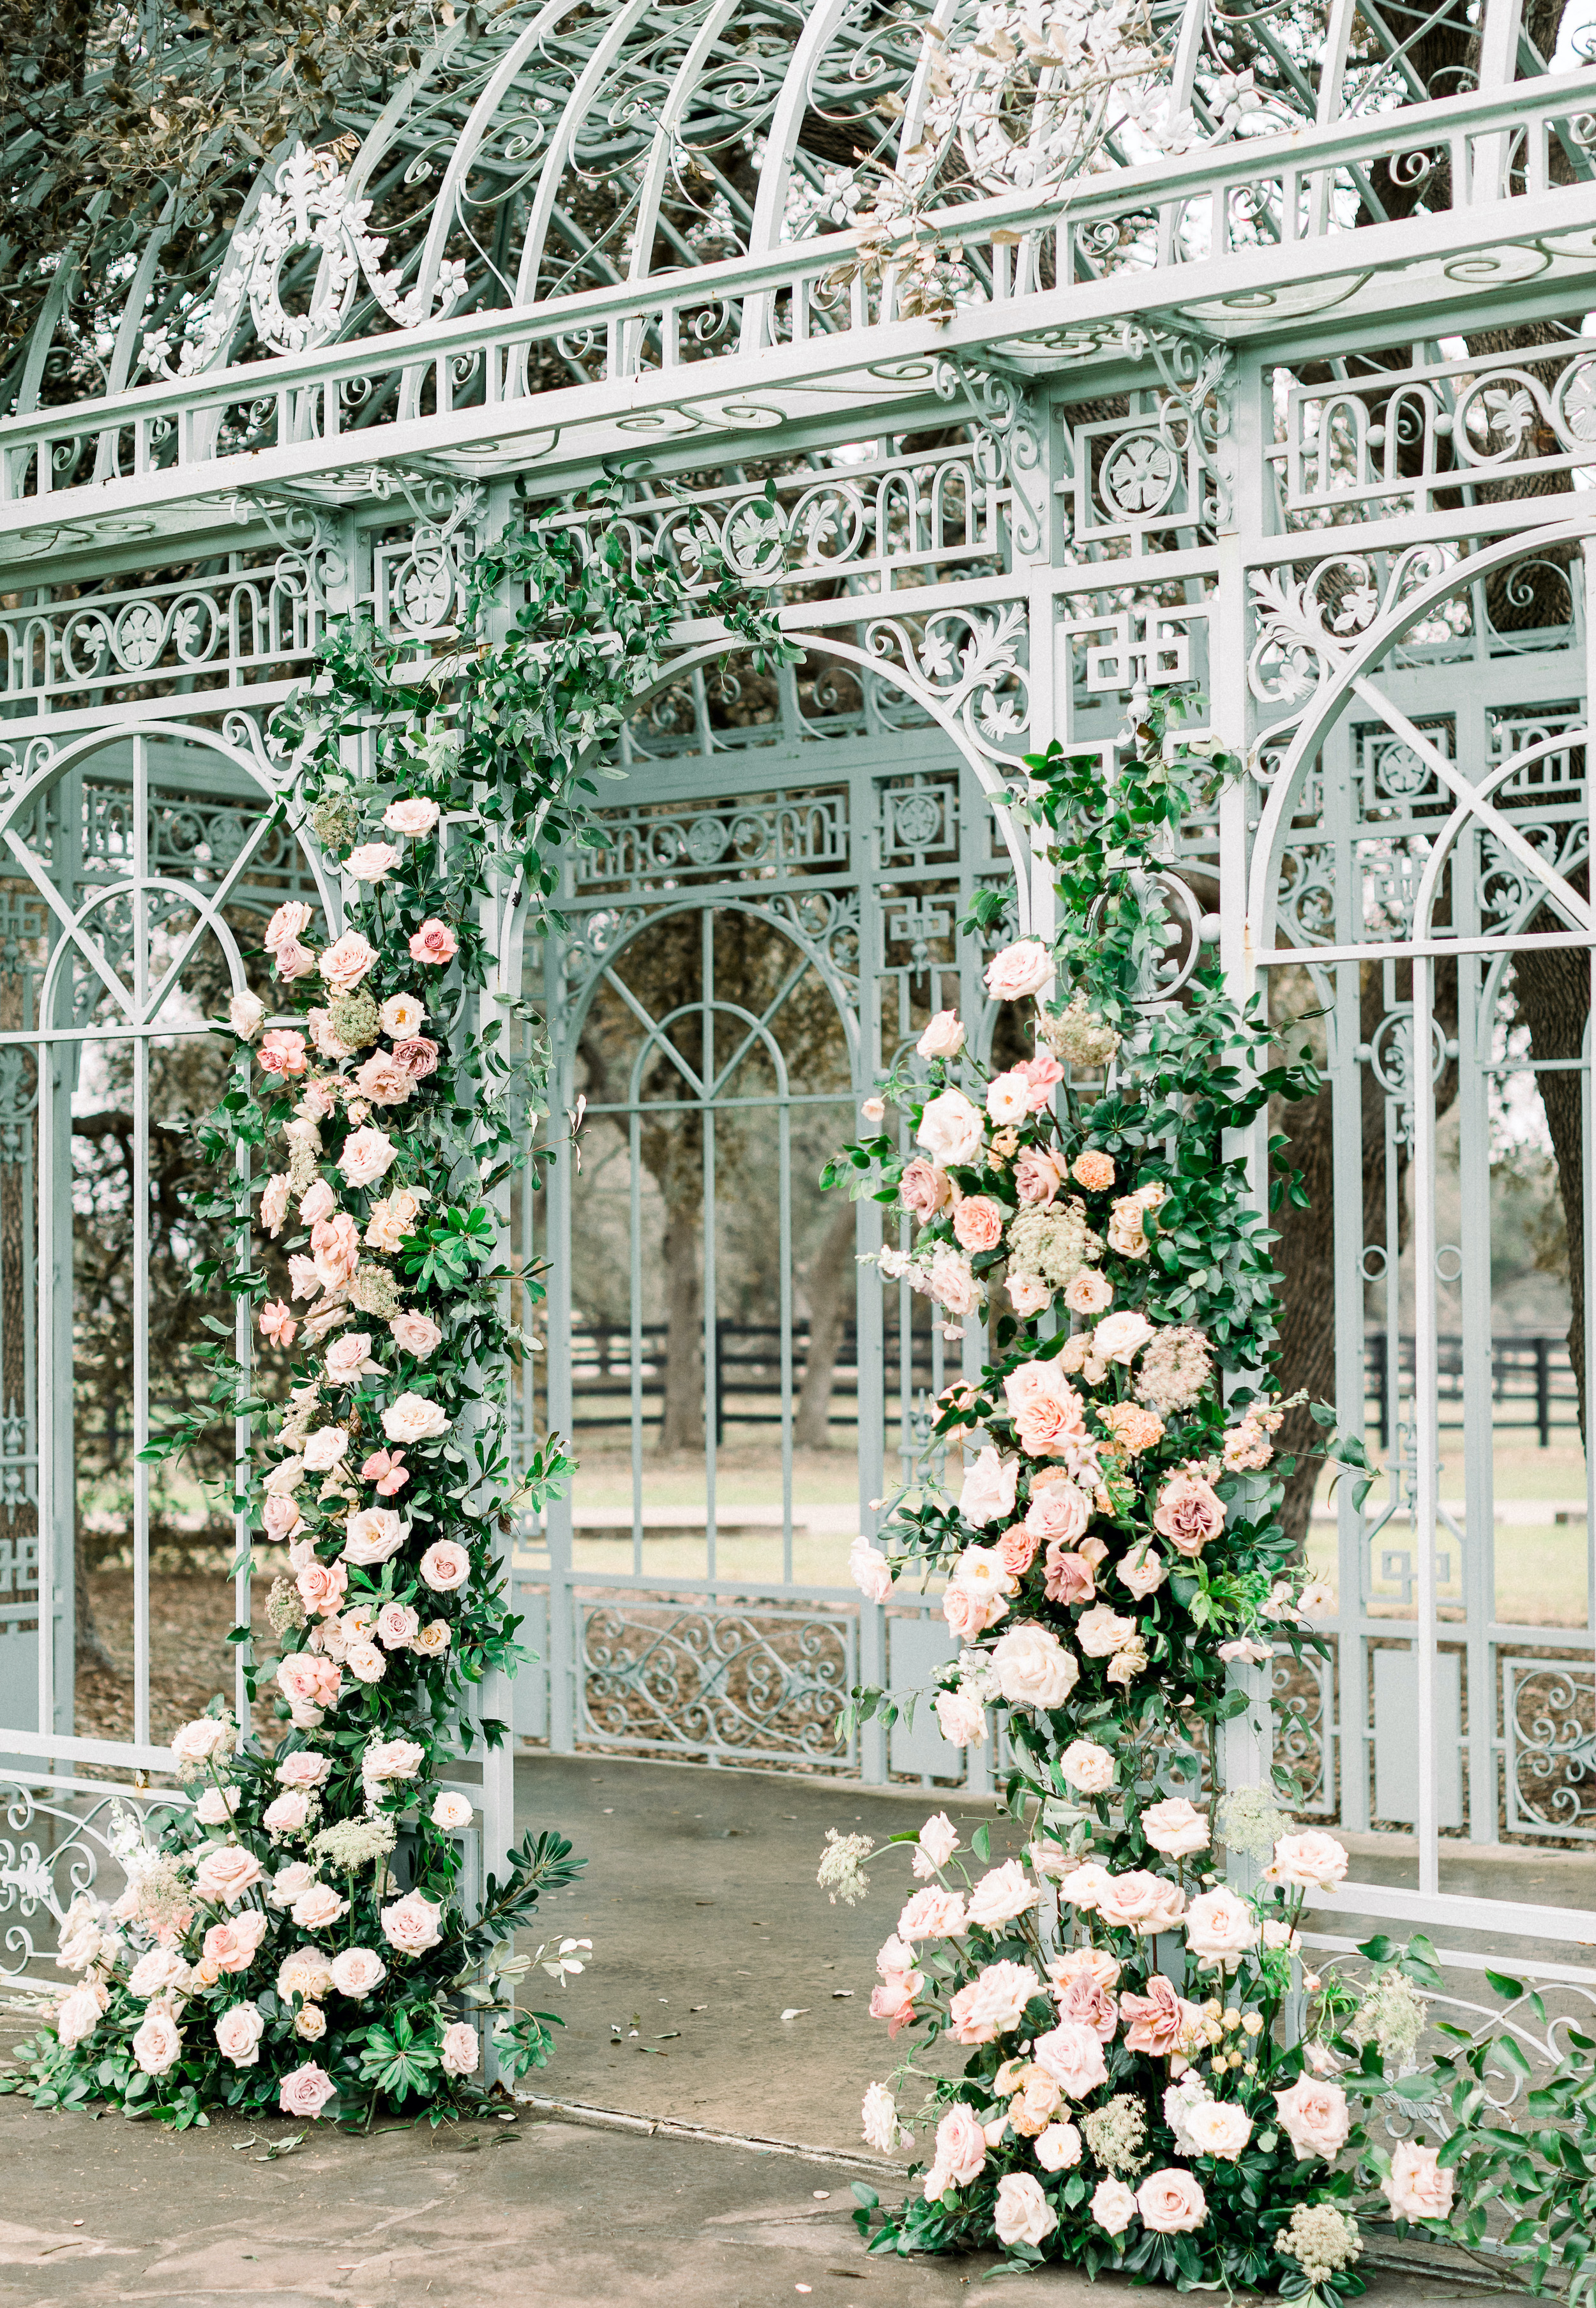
(296, 1937)
(1146, 2087)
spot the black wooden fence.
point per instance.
(1532, 1383)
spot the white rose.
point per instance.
(1218, 2127)
(413, 1419)
(1057, 2147)
(238, 2034)
(943, 1037)
(989, 1487)
(1312, 1861)
(951, 1130)
(1019, 971)
(1022, 2214)
(245, 1013)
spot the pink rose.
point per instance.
(1159, 2021)
(1066, 1577)
(870, 1571)
(1029, 1295)
(287, 1814)
(232, 1946)
(1221, 1928)
(462, 2051)
(384, 1079)
(1016, 1549)
(1315, 2119)
(943, 1037)
(961, 1718)
(434, 943)
(969, 1613)
(290, 920)
(413, 816)
(923, 1188)
(993, 2003)
(158, 2042)
(310, 1684)
(280, 1519)
(398, 1626)
(335, 1249)
(417, 1056)
(1416, 2185)
(411, 1925)
(238, 2034)
(225, 1871)
(1090, 2004)
(291, 959)
(371, 861)
(1170, 2203)
(349, 1358)
(1035, 1177)
(283, 1052)
(306, 2091)
(274, 1204)
(318, 1201)
(951, 1282)
(1002, 1894)
(416, 1334)
(302, 1769)
(894, 2000)
(1189, 1513)
(977, 1223)
(1042, 1071)
(345, 963)
(1057, 1512)
(446, 1566)
(1019, 971)
(413, 1419)
(318, 1908)
(367, 1156)
(932, 1914)
(358, 1970)
(988, 1495)
(1073, 2055)
(79, 2013)
(1176, 1828)
(1141, 1901)
(278, 1325)
(393, 1759)
(961, 2152)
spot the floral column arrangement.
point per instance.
(1136, 2093)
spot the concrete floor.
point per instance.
(700, 1898)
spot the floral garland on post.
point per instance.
(1137, 2095)
(296, 1940)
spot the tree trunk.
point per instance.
(1553, 988)
(830, 1286)
(682, 1423)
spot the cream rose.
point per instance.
(1120, 1338)
(1311, 1861)
(346, 962)
(158, 2043)
(1027, 1294)
(416, 1333)
(413, 1419)
(951, 1130)
(372, 1534)
(446, 1566)
(413, 816)
(318, 1908)
(1088, 1768)
(245, 1013)
(988, 1495)
(367, 1156)
(961, 2152)
(1100, 1631)
(1221, 1928)
(356, 1971)
(1113, 2206)
(450, 1810)
(238, 2034)
(1022, 2214)
(943, 1037)
(993, 2003)
(205, 1739)
(932, 1914)
(1176, 1828)
(304, 1971)
(462, 2050)
(1072, 2054)
(157, 1971)
(1033, 1667)
(1058, 2147)
(1218, 2127)
(870, 1571)
(79, 2012)
(1008, 1098)
(225, 1872)
(1003, 1893)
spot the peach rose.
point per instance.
(1092, 1169)
(434, 1639)
(283, 1052)
(1126, 1233)
(1100, 1631)
(387, 1470)
(1016, 1549)
(1019, 971)
(1176, 1828)
(435, 943)
(306, 2091)
(384, 1079)
(233, 1946)
(1170, 2203)
(1090, 1293)
(304, 1971)
(411, 1925)
(894, 2000)
(322, 1586)
(346, 962)
(335, 1251)
(977, 1223)
(364, 1660)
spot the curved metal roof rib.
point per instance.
(579, 144)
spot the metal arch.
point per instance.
(1336, 691)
